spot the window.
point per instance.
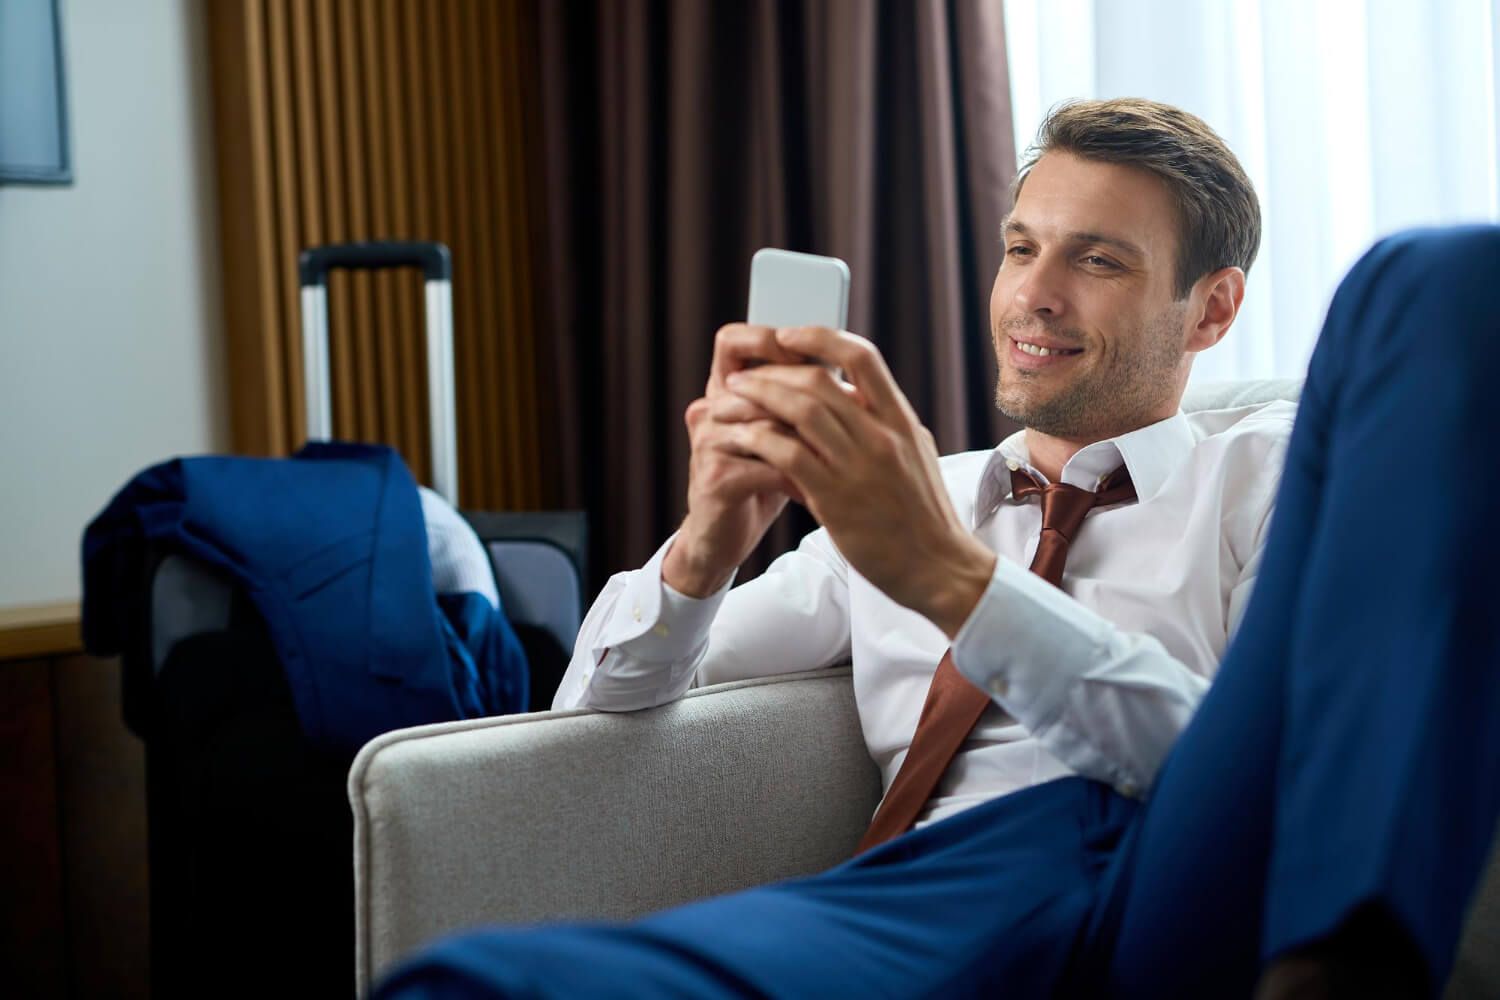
(1353, 118)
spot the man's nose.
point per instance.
(1040, 290)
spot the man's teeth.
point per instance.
(1041, 352)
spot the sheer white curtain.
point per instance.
(1354, 118)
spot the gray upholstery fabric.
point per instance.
(1225, 395)
(1476, 971)
(584, 814)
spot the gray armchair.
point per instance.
(581, 814)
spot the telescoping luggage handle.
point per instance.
(437, 266)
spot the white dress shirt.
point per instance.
(1097, 678)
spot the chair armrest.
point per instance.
(593, 815)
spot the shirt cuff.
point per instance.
(654, 622)
(1027, 643)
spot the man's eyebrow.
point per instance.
(1124, 246)
(1019, 228)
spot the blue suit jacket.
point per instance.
(331, 547)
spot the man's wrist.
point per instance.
(688, 573)
(966, 579)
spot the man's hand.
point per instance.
(732, 496)
(866, 468)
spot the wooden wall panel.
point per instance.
(340, 120)
(73, 858)
(246, 222)
(33, 948)
(101, 781)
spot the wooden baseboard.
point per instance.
(40, 630)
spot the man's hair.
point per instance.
(1218, 215)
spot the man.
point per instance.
(1020, 718)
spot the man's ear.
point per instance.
(1217, 296)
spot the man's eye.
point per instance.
(1094, 260)
(1018, 251)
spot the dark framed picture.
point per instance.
(34, 145)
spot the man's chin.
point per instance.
(1023, 411)
(1049, 412)
(1022, 394)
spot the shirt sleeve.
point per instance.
(644, 644)
(1239, 597)
(1106, 702)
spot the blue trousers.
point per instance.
(1347, 756)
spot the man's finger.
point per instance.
(736, 477)
(806, 398)
(730, 408)
(787, 453)
(716, 436)
(718, 441)
(738, 346)
(859, 358)
(697, 411)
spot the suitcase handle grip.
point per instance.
(437, 267)
(433, 258)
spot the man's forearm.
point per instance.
(959, 584)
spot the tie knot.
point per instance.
(1065, 506)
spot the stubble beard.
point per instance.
(1103, 401)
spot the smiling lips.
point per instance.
(1033, 355)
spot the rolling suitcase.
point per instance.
(539, 558)
(250, 836)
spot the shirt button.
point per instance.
(999, 687)
(636, 613)
(662, 630)
(1130, 790)
(1012, 465)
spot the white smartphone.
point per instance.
(798, 289)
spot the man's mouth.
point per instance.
(1045, 352)
(1039, 351)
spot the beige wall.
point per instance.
(110, 345)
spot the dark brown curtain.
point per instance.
(683, 135)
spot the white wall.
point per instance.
(110, 332)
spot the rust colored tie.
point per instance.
(953, 704)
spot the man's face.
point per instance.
(1089, 276)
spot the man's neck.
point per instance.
(1049, 454)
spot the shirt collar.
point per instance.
(1151, 454)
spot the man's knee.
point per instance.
(1423, 295)
(1459, 259)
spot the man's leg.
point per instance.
(993, 899)
(1347, 759)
